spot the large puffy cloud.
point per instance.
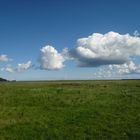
(104, 49)
(50, 58)
(4, 57)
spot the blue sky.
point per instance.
(28, 25)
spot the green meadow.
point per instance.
(70, 110)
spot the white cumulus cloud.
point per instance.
(104, 49)
(51, 59)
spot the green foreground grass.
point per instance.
(70, 110)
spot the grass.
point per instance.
(70, 110)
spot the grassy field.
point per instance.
(70, 110)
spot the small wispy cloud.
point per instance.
(19, 68)
(136, 33)
(117, 71)
(127, 68)
(24, 66)
(4, 57)
(8, 68)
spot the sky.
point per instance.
(69, 39)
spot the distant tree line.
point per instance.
(2, 80)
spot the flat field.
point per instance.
(70, 110)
